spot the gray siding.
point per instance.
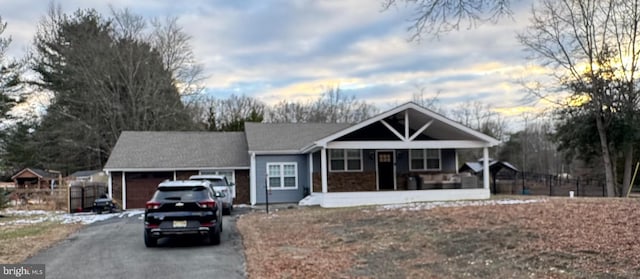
(281, 196)
(402, 160)
(368, 160)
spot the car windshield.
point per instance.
(181, 193)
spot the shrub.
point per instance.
(5, 198)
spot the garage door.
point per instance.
(141, 186)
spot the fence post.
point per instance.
(550, 183)
(578, 187)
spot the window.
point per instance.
(425, 159)
(282, 175)
(345, 159)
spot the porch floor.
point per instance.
(348, 199)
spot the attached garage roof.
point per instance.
(178, 150)
(287, 137)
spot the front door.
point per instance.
(386, 171)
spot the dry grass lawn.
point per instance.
(555, 238)
(20, 241)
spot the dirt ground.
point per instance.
(553, 238)
(20, 241)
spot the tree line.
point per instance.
(108, 73)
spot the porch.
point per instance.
(373, 161)
(347, 199)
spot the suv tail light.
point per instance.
(207, 204)
(152, 205)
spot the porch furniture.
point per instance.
(439, 181)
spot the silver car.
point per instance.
(222, 186)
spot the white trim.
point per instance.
(310, 173)
(175, 177)
(406, 125)
(275, 152)
(176, 169)
(419, 131)
(393, 161)
(124, 190)
(252, 180)
(457, 162)
(485, 170)
(282, 165)
(323, 169)
(430, 144)
(346, 161)
(485, 139)
(348, 199)
(110, 185)
(390, 128)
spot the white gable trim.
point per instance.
(431, 144)
(173, 169)
(489, 141)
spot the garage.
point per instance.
(140, 186)
(141, 160)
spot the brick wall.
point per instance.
(184, 175)
(242, 187)
(116, 182)
(346, 181)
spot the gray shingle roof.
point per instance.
(178, 150)
(287, 136)
(85, 173)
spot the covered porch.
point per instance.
(408, 154)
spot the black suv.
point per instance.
(184, 207)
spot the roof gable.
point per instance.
(35, 172)
(179, 150)
(423, 124)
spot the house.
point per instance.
(88, 176)
(34, 178)
(141, 160)
(332, 165)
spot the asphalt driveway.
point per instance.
(115, 249)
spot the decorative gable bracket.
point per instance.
(406, 137)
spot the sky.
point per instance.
(294, 49)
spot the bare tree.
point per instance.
(332, 107)
(420, 97)
(591, 50)
(434, 17)
(230, 114)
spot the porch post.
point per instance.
(323, 166)
(110, 184)
(124, 190)
(310, 172)
(485, 167)
(252, 179)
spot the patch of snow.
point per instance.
(432, 205)
(14, 212)
(64, 218)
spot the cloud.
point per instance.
(292, 49)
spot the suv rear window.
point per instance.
(190, 193)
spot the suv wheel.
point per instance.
(149, 240)
(214, 236)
